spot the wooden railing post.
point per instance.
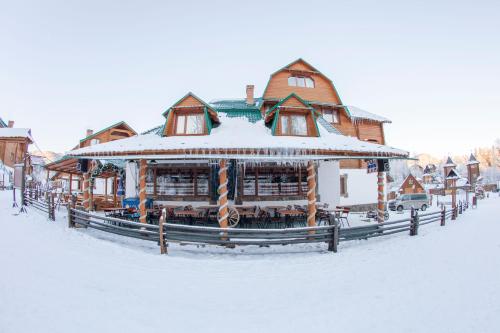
(413, 222)
(454, 212)
(163, 245)
(333, 245)
(51, 207)
(71, 223)
(460, 207)
(443, 215)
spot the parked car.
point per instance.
(408, 201)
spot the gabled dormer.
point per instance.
(303, 79)
(190, 116)
(292, 116)
(114, 132)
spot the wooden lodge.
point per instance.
(284, 154)
(69, 173)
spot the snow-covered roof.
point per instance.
(8, 132)
(472, 160)
(358, 113)
(449, 163)
(462, 182)
(236, 136)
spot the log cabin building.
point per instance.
(271, 149)
(14, 143)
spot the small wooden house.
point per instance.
(14, 143)
(411, 185)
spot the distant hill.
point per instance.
(48, 156)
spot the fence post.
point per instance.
(412, 225)
(163, 247)
(460, 207)
(52, 213)
(443, 215)
(415, 222)
(454, 213)
(334, 241)
(71, 224)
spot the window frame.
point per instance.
(288, 130)
(185, 115)
(324, 112)
(304, 79)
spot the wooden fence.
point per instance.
(41, 201)
(332, 234)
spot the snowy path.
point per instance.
(446, 279)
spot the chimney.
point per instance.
(250, 100)
(90, 132)
(11, 123)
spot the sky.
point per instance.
(432, 67)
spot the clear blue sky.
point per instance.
(433, 67)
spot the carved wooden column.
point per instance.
(311, 194)
(222, 202)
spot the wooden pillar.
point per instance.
(454, 193)
(106, 189)
(142, 190)
(86, 192)
(91, 192)
(222, 202)
(380, 198)
(70, 183)
(115, 187)
(311, 194)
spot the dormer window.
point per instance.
(95, 142)
(293, 125)
(190, 124)
(332, 116)
(300, 81)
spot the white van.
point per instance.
(409, 201)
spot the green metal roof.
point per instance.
(2, 123)
(155, 130)
(238, 108)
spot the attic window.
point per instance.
(332, 116)
(293, 125)
(95, 142)
(300, 81)
(190, 124)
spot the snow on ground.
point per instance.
(54, 279)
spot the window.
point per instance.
(190, 124)
(173, 182)
(95, 142)
(343, 186)
(293, 125)
(332, 116)
(275, 181)
(300, 81)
